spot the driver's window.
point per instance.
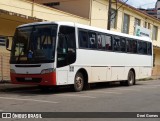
(62, 45)
(66, 49)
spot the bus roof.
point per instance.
(89, 28)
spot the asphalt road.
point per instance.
(143, 97)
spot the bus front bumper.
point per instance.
(34, 79)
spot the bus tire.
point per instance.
(131, 78)
(78, 82)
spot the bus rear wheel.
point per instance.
(131, 78)
(78, 82)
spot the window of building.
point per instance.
(113, 20)
(154, 33)
(149, 26)
(52, 4)
(2, 40)
(145, 24)
(137, 22)
(125, 28)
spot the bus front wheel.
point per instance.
(78, 82)
(131, 78)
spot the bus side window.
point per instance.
(140, 47)
(108, 42)
(117, 44)
(92, 40)
(129, 47)
(134, 46)
(83, 39)
(99, 41)
(123, 44)
(149, 49)
(145, 48)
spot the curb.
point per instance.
(4, 81)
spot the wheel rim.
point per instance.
(79, 82)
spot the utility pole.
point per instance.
(32, 12)
(109, 12)
(109, 15)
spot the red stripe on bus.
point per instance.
(45, 79)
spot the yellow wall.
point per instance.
(39, 11)
(8, 26)
(17, 6)
(7, 29)
(99, 13)
(77, 7)
(156, 68)
(157, 61)
(50, 14)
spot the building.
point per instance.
(124, 18)
(155, 12)
(158, 8)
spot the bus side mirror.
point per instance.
(7, 44)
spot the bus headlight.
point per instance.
(49, 70)
(12, 71)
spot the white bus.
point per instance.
(66, 53)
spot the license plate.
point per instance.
(28, 78)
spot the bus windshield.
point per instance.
(34, 44)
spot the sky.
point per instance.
(142, 3)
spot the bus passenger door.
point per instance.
(66, 53)
(62, 68)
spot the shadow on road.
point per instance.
(24, 90)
